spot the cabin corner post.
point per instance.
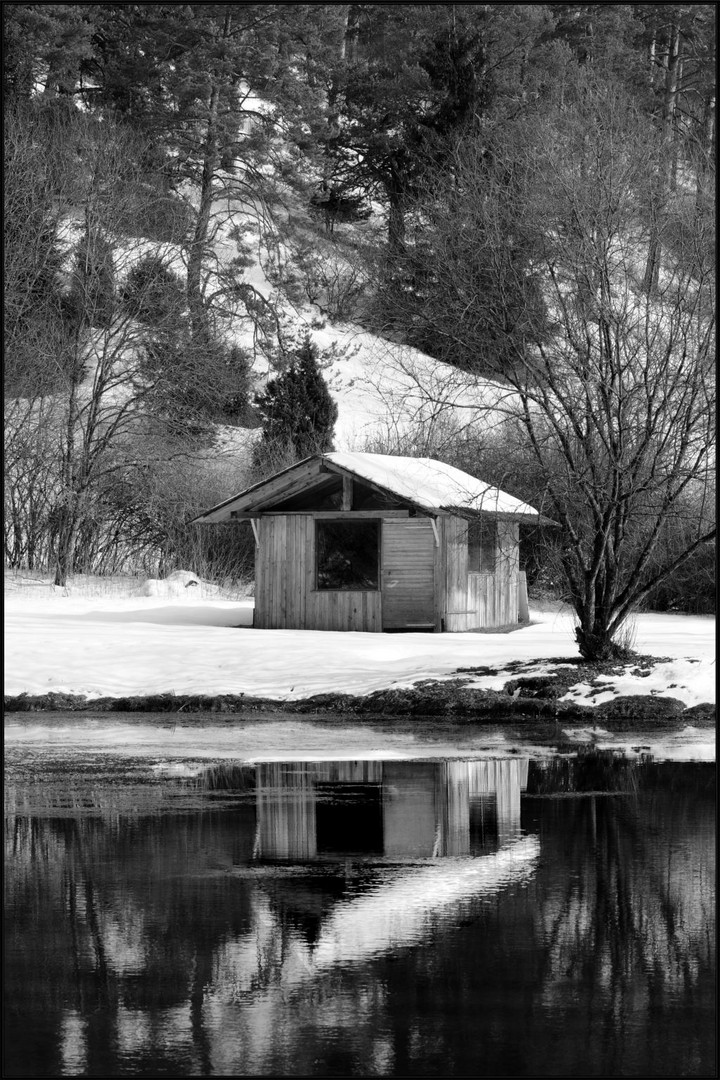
(523, 607)
(455, 574)
(440, 574)
(262, 570)
(508, 551)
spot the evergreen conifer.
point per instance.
(298, 413)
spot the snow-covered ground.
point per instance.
(111, 645)
(95, 639)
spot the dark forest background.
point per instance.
(433, 173)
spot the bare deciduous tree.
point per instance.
(106, 391)
(614, 386)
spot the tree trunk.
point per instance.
(709, 126)
(673, 141)
(211, 160)
(396, 220)
(202, 225)
(665, 179)
(652, 265)
(705, 172)
(348, 45)
(69, 513)
(66, 544)
(596, 644)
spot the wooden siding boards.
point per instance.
(287, 827)
(285, 594)
(339, 610)
(506, 573)
(306, 572)
(408, 574)
(508, 534)
(456, 575)
(262, 577)
(422, 583)
(267, 492)
(478, 600)
(440, 574)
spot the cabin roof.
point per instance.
(427, 484)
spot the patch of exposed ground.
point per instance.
(524, 699)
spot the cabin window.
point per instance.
(348, 554)
(482, 546)
(349, 819)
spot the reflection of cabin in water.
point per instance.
(350, 541)
(396, 810)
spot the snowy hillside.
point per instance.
(384, 391)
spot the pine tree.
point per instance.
(410, 80)
(297, 410)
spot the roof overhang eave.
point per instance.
(223, 511)
(524, 517)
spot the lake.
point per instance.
(491, 914)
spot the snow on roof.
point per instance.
(430, 484)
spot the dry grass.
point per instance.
(28, 583)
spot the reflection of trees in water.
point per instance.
(132, 929)
(598, 966)
(631, 918)
(588, 771)
(111, 919)
(634, 908)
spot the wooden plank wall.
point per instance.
(440, 574)
(508, 533)
(336, 610)
(285, 594)
(287, 827)
(492, 600)
(289, 600)
(456, 587)
(408, 573)
(477, 601)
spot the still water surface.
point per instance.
(496, 917)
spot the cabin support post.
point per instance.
(436, 534)
(347, 494)
(523, 609)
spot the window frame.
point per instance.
(475, 545)
(344, 521)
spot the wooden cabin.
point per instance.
(373, 542)
(396, 809)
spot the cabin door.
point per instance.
(408, 575)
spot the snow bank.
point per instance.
(110, 646)
(181, 583)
